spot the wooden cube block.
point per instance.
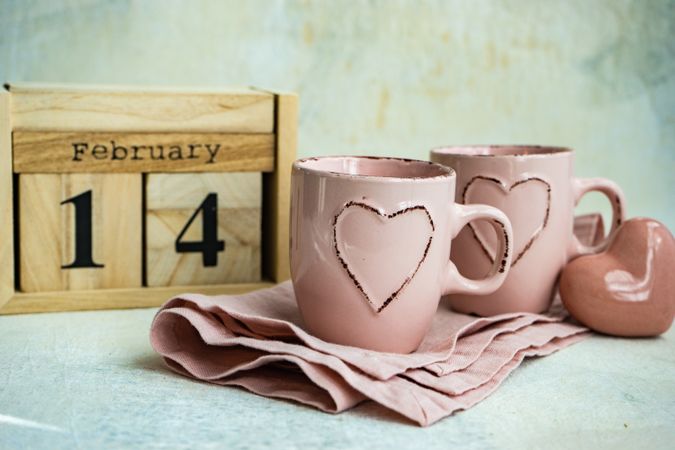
(80, 231)
(203, 228)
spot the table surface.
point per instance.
(91, 380)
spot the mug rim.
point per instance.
(502, 151)
(444, 173)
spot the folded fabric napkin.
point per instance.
(257, 341)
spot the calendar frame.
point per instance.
(50, 115)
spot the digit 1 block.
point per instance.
(203, 228)
(80, 231)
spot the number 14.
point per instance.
(209, 246)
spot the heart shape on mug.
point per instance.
(381, 252)
(530, 226)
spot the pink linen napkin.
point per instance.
(256, 341)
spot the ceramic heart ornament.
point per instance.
(368, 244)
(629, 289)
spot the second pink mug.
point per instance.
(536, 188)
(370, 248)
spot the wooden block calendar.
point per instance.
(119, 197)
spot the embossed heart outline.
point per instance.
(345, 265)
(507, 189)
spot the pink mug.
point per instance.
(536, 188)
(370, 248)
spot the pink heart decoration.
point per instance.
(381, 252)
(526, 227)
(629, 289)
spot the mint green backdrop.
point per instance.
(397, 77)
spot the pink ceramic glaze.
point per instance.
(628, 290)
(536, 189)
(370, 248)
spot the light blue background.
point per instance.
(397, 77)
(380, 77)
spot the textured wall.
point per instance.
(397, 77)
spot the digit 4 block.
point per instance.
(203, 228)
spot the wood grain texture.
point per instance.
(40, 235)
(277, 188)
(46, 114)
(171, 201)
(47, 231)
(110, 108)
(88, 152)
(6, 203)
(21, 303)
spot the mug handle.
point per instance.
(460, 215)
(611, 190)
